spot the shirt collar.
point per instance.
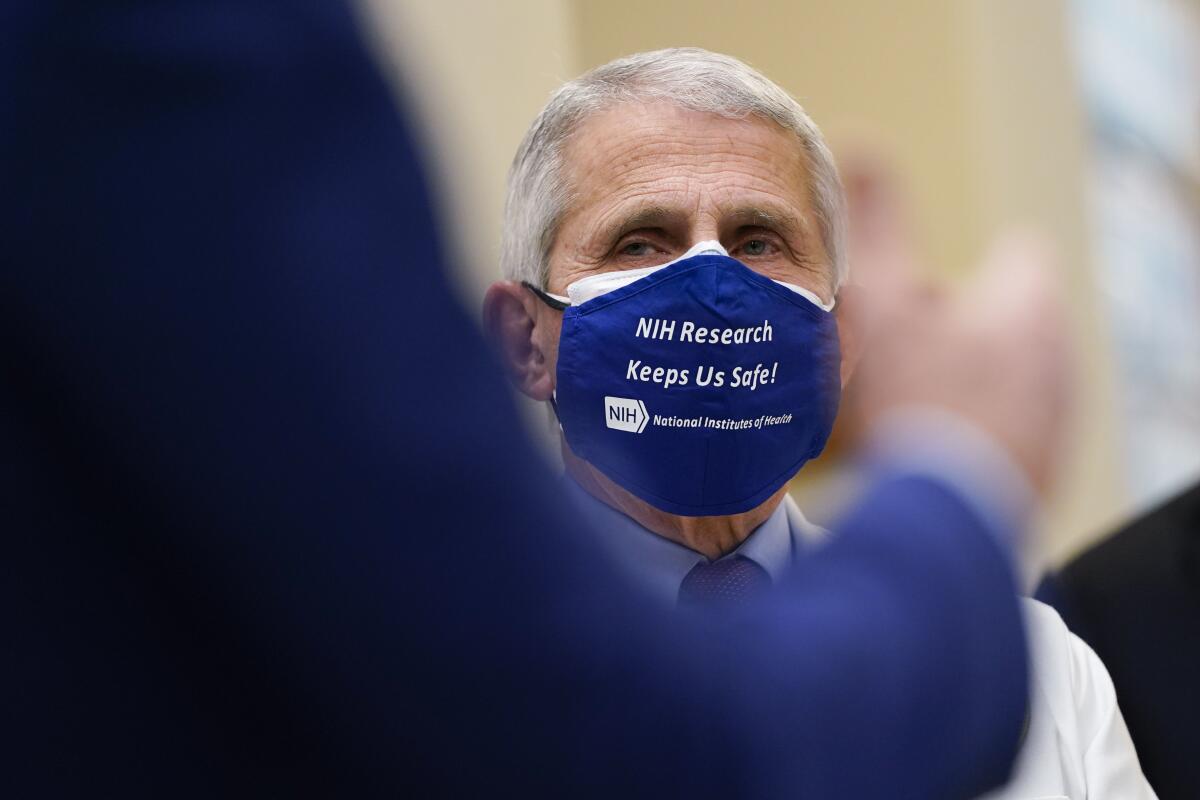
(770, 544)
(660, 564)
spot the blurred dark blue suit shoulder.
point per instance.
(272, 527)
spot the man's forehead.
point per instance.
(632, 132)
(652, 157)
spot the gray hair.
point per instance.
(689, 77)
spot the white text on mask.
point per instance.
(653, 328)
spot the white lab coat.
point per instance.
(1077, 745)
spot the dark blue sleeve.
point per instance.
(272, 529)
(912, 605)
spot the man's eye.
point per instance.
(756, 247)
(637, 249)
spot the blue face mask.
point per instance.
(700, 386)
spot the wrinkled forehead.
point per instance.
(644, 145)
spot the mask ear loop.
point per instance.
(554, 407)
(555, 302)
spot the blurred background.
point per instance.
(1082, 118)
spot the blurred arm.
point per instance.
(277, 528)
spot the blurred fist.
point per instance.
(994, 352)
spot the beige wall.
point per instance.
(973, 101)
(1030, 148)
(479, 72)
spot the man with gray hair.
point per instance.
(675, 273)
(626, 169)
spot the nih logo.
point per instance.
(625, 414)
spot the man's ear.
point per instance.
(510, 322)
(851, 321)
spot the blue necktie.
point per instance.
(725, 584)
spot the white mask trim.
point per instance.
(809, 296)
(594, 286)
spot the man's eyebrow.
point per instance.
(642, 217)
(787, 223)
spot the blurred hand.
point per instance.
(995, 352)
